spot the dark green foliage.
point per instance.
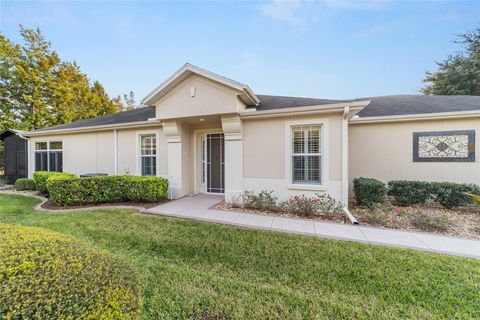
(451, 195)
(40, 178)
(67, 191)
(265, 200)
(369, 191)
(458, 74)
(24, 184)
(407, 193)
(47, 275)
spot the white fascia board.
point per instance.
(354, 106)
(93, 128)
(417, 117)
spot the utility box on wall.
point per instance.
(15, 155)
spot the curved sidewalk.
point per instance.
(198, 207)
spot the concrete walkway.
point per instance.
(198, 207)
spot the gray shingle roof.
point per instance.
(417, 104)
(379, 106)
(140, 114)
(280, 102)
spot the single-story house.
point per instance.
(206, 133)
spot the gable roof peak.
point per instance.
(186, 70)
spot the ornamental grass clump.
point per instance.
(47, 275)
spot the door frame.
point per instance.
(204, 167)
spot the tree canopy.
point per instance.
(38, 89)
(458, 74)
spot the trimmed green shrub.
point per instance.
(407, 193)
(40, 178)
(24, 184)
(451, 195)
(264, 200)
(106, 189)
(47, 275)
(369, 191)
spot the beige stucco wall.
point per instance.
(128, 150)
(265, 155)
(88, 152)
(82, 153)
(210, 98)
(385, 151)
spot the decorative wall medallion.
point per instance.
(444, 146)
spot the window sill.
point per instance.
(307, 187)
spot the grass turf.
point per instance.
(191, 268)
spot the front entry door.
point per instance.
(215, 165)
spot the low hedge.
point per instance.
(40, 178)
(448, 194)
(451, 195)
(369, 191)
(407, 193)
(106, 189)
(24, 184)
(47, 275)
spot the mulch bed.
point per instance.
(461, 222)
(336, 218)
(50, 205)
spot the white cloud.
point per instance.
(372, 31)
(358, 4)
(287, 11)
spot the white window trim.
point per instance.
(324, 150)
(34, 160)
(139, 134)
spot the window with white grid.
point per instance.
(148, 155)
(306, 155)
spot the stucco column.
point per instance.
(172, 130)
(232, 129)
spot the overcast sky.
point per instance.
(331, 49)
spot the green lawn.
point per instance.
(189, 268)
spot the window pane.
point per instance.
(148, 145)
(298, 168)
(149, 166)
(56, 145)
(313, 169)
(314, 140)
(298, 141)
(40, 146)
(41, 161)
(56, 161)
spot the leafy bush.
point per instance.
(24, 184)
(309, 206)
(106, 189)
(451, 195)
(369, 191)
(428, 222)
(407, 193)
(40, 178)
(265, 200)
(47, 275)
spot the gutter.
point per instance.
(126, 125)
(418, 117)
(326, 108)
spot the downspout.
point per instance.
(115, 151)
(346, 112)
